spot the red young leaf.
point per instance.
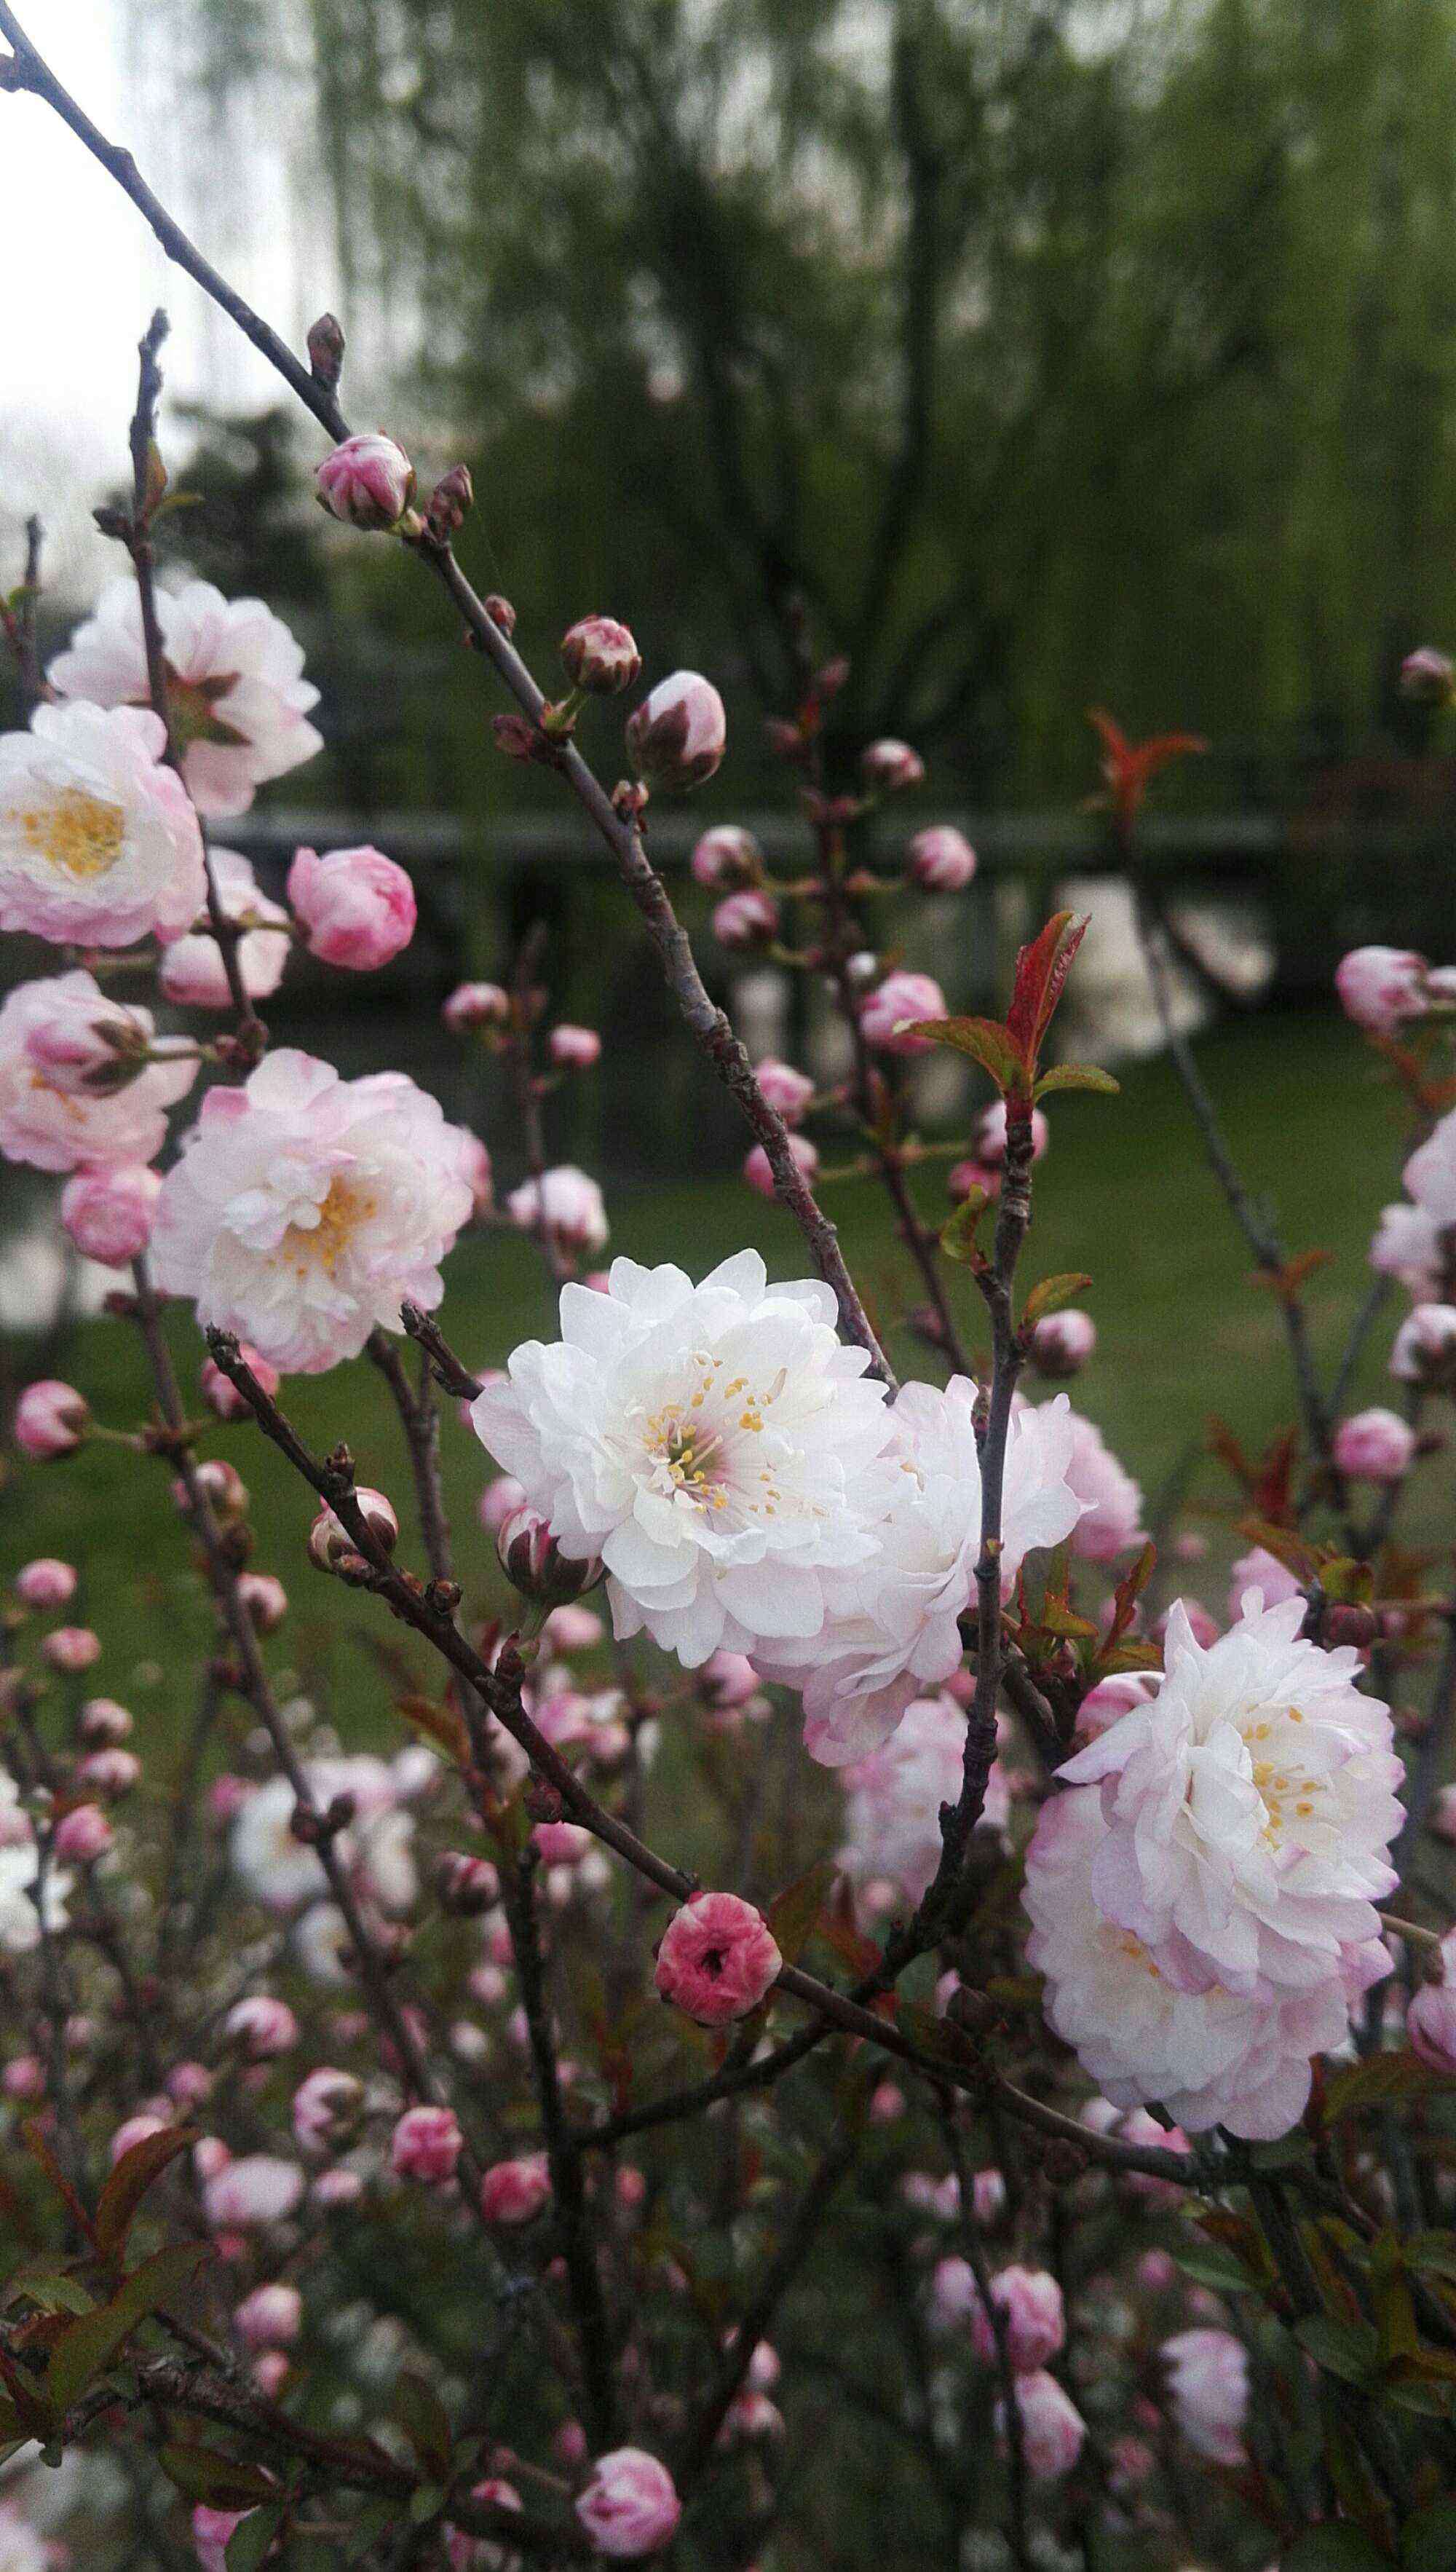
(1041, 970)
(130, 2180)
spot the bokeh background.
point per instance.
(1035, 355)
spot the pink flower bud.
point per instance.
(1430, 2023)
(107, 1213)
(1425, 1345)
(1426, 677)
(786, 1090)
(963, 1177)
(629, 2507)
(727, 858)
(941, 860)
(70, 1648)
(988, 2196)
(82, 1836)
(448, 507)
(746, 921)
(81, 1056)
(899, 998)
(758, 1170)
(329, 1542)
(717, 1959)
(271, 2317)
(212, 2531)
(1052, 2427)
(466, 1885)
(256, 2188)
(1375, 1446)
(264, 1598)
(325, 2110)
(1380, 985)
(1036, 2328)
(189, 2084)
(561, 1843)
(1208, 2387)
(990, 1147)
(572, 1629)
(569, 2445)
(270, 2373)
(425, 2146)
(221, 1395)
(108, 1772)
(515, 2191)
(888, 766)
(601, 656)
(46, 1583)
(24, 2077)
(368, 481)
(476, 1004)
(678, 735)
(260, 2028)
(101, 1723)
(50, 1417)
(574, 1048)
(334, 2189)
(1062, 1343)
(355, 906)
(565, 1203)
(221, 1486)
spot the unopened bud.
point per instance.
(325, 350)
(678, 735)
(727, 859)
(329, 1541)
(889, 766)
(465, 1885)
(368, 482)
(449, 505)
(745, 921)
(534, 1562)
(501, 613)
(1426, 677)
(1347, 1623)
(601, 656)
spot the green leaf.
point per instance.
(793, 1914)
(984, 1040)
(425, 2422)
(958, 1233)
(1428, 2540)
(369, 2526)
(130, 2180)
(89, 2345)
(1336, 2548)
(201, 2473)
(251, 2539)
(1051, 1293)
(1347, 2349)
(1381, 2079)
(1077, 1075)
(53, 2288)
(1219, 2269)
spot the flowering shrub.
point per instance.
(439, 2142)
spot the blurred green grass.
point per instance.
(1124, 1193)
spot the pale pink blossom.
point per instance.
(191, 972)
(601, 656)
(744, 921)
(70, 1648)
(51, 1419)
(1112, 1504)
(82, 1835)
(894, 1005)
(212, 2532)
(888, 766)
(892, 1813)
(1378, 986)
(108, 1212)
(1375, 1446)
(103, 1723)
(326, 2106)
(264, 1598)
(565, 1204)
(725, 857)
(108, 1772)
(97, 841)
(256, 2188)
(1430, 2021)
(712, 1443)
(481, 2554)
(271, 2317)
(1208, 2383)
(629, 2507)
(1259, 1570)
(718, 1958)
(1030, 2301)
(50, 1121)
(260, 2028)
(515, 2191)
(499, 1503)
(355, 906)
(426, 2145)
(236, 700)
(305, 1208)
(941, 859)
(678, 735)
(758, 1170)
(1052, 2427)
(786, 1090)
(1407, 1245)
(574, 1048)
(45, 1582)
(1425, 1345)
(368, 480)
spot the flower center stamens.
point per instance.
(80, 835)
(341, 1213)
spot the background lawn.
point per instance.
(1124, 1193)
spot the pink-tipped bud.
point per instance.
(107, 1213)
(1425, 1345)
(219, 1392)
(1375, 1446)
(425, 2146)
(271, 2317)
(264, 1598)
(1062, 1343)
(787, 1092)
(574, 1048)
(499, 1500)
(941, 860)
(1378, 986)
(329, 1541)
(111, 1773)
(887, 767)
(70, 1648)
(327, 2110)
(601, 656)
(990, 1145)
(631, 2506)
(1427, 677)
(717, 1959)
(221, 1486)
(758, 1169)
(465, 1884)
(565, 1203)
(260, 2028)
(1430, 2021)
(901, 998)
(50, 1419)
(746, 922)
(46, 1583)
(368, 482)
(449, 505)
(534, 1564)
(102, 1723)
(476, 1004)
(678, 735)
(727, 859)
(355, 906)
(88, 1058)
(514, 2192)
(82, 1835)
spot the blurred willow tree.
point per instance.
(1048, 353)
